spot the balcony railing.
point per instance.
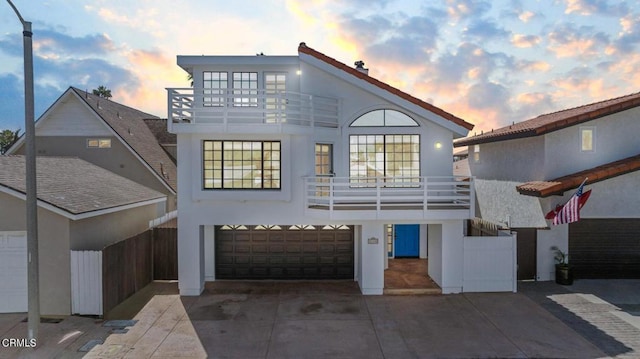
(423, 195)
(250, 107)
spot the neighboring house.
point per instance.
(167, 140)
(108, 134)
(301, 167)
(80, 207)
(547, 158)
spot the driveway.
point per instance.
(591, 319)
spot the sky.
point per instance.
(490, 62)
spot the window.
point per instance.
(476, 153)
(586, 139)
(245, 89)
(373, 156)
(99, 143)
(324, 163)
(241, 164)
(214, 83)
(384, 118)
(275, 85)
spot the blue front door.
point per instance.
(407, 240)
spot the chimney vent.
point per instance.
(360, 67)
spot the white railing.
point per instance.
(245, 106)
(389, 193)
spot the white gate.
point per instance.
(490, 264)
(86, 282)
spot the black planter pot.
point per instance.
(564, 276)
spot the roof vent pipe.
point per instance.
(360, 67)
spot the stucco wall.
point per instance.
(519, 160)
(97, 232)
(615, 138)
(53, 251)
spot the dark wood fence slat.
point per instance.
(129, 265)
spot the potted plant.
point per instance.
(563, 271)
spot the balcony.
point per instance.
(399, 198)
(248, 110)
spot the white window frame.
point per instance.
(583, 130)
(98, 143)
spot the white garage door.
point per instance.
(13, 272)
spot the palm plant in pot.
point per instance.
(563, 270)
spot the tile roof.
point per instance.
(130, 125)
(74, 185)
(559, 185)
(303, 48)
(554, 121)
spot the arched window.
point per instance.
(384, 118)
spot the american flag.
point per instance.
(570, 212)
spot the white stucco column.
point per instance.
(373, 249)
(190, 258)
(452, 256)
(556, 236)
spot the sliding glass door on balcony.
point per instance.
(395, 158)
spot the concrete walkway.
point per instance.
(331, 319)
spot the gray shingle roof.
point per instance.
(130, 125)
(74, 185)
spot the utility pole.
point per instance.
(32, 199)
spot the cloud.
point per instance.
(51, 43)
(583, 42)
(463, 9)
(523, 41)
(484, 29)
(12, 101)
(526, 16)
(601, 7)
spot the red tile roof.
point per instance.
(559, 185)
(554, 121)
(303, 48)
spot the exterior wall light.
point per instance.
(438, 145)
(298, 72)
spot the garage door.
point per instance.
(13, 272)
(284, 252)
(605, 248)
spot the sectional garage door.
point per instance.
(605, 248)
(13, 272)
(284, 252)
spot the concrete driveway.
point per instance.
(331, 319)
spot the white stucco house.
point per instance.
(301, 167)
(545, 159)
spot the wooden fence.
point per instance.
(165, 253)
(478, 227)
(130, 265)
(127, 267)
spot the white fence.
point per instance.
(86, 282)
(490, 264)
(166, 218)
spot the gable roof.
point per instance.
(78, 188)
(554, 121)
(304, 49)
(559, 185)
(128, 123)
